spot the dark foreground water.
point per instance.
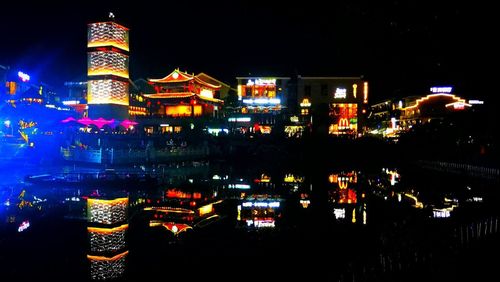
(328, 223)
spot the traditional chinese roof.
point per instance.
(179, 76)
(210, 79)
(175, 76)
(215, 100)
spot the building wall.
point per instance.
(108, 84)
(281, 88)
(327, 95)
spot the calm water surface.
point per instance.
(217, 221)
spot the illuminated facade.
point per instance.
(436, 105)
(181, 94)
(384, 118)
(391, 117)
(263, 99)
(20, 88)
(262, 94)
(104, 268)
(179, 211)
(259, 212)
(349, 205)
(77, 96)
(107, 69)
(338, 104)
(107, 219)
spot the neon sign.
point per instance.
(24, 225)
(265, 81)
(239, 119)
(365, 93)
(340, 93)
(339, 213)
(238, 186)
(476, 102)
(261, 82)
(305, 103)
(441, 213)
(305, 203)
(23, 76)
(71, 102)
(441, 89)
(261, 223)
(262, 101)
(261, 204)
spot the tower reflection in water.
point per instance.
(107, 226)
(349, 203)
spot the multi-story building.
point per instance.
(76, 96)
(181, 94)
(436, 105)
(108, 60)
(263, 101)
(181, 100)
(335, 105)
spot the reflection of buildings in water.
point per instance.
(343, 179)
(415, 202)
(343, 192)
(19, 211)
(107, 219)
(305, 200)
(291, 178)
(347, 205)
(293, 181)
(445, 209)
(394, 176)
(107, 239)
(103, 268)
(179, 211)
(265, 178)
(259, 212)
(175, 228)
(350, 213)
(441, 213)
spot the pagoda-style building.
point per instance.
(181, 94)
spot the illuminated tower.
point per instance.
(107, 228)
(107, 64)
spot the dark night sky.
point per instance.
(401, 47)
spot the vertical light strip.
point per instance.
(365, 93)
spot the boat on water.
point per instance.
(106, 178)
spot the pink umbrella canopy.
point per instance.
(85, 121)
(128, 123)
(100, 122)
(66, 120)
